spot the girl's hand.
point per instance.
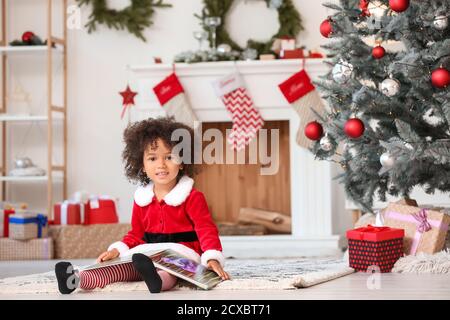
(108, 255)
(215, 266)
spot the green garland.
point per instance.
(135, 18)
(288, 17)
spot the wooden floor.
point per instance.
(355, 286)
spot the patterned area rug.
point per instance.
(251, 274)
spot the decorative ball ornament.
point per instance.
(326, 144)
(440, 23)
(378, 52)
(224, 48)
(440, 77)
(313, 130)
(326, 29)
(249, 54)
(354, 128)
(387, 161)
(390, 87)
(399, 5)
(23, 163)
(27, 36)
(342, 72)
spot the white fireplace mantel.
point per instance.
(313, 201)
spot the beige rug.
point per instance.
(252, 274)
(424, 263)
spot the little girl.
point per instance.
(168, 213)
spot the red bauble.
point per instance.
(326, 28)
(378, 52)
(27, 36)
(313, 130)
(354, 128)
(399, 5)
(440, 77)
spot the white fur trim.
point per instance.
(179, 248)
(144, 195)
(119, 245)
(213, 255)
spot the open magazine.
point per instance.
(174, 263)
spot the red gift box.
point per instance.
(375, 246)
(292, 54)
(4, 222)
(69, 212)
(101, 210)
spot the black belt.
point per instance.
(188, 236)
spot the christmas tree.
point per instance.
(389, 110)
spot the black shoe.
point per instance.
(68, 281)
(144, 265)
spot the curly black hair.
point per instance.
(137, 136)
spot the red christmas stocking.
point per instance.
(172, 98)
(246, 118)
(304, 98)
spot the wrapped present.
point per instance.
(374, 246)
(25, 226)
(4, 221)
(69, 212)
(292, 54)
(425, 229)
(34, 249)
(85, 241)
(101, 209)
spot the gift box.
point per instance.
(101, 210)
(374, 246)
(35, 249)
(425, 229)
(25, 226)
(69, 212)
(85, 241)
(4, 221)
(292, 54)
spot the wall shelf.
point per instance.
(52, 112)
(27, 49)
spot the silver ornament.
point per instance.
(342, 72)
(390, 87)
(431, 118)
(387, 161)
(440, 23)
(275, 4)
(326, 144)
(249, 54)
(22, 163)
(224, 48)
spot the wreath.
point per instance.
(288, 17)
(135, 18)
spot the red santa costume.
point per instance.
(181, 221)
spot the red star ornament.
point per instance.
(128, 99)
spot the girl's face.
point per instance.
(159, 164)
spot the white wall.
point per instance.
(97, 72)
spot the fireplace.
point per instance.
(302, 190)
(243, 199)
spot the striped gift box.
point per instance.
(35, 249)
(25, 226)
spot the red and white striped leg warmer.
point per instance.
(99, 278)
